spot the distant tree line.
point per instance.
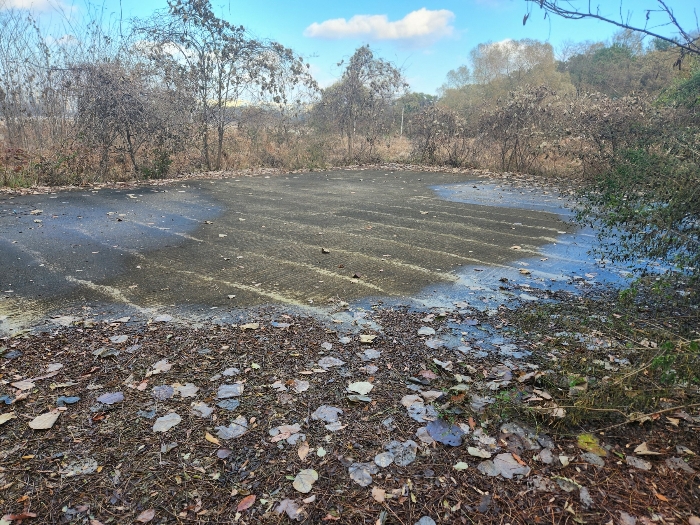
(186, 90)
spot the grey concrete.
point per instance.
(195, 244)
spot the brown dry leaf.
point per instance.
(517, 458)
(378, 494)
(643, 450)
(146, 516)
(211, 439)
(246, 503)
(18, 517)
(661, 497)
(303, 451)
(472, 423)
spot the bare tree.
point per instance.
(662, 15)
(361, 101)
(222, 62)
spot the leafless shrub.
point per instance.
(443, 136)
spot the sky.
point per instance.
(424, 38)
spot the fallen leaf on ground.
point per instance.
(291, 507)
(408, 400)
(4, 418)
(246, 503)
(507, 466)
(228, 391)
(445, 433)
(81, 467)
(300, 386)
(146, 516)
(304, 480)
(638, 463)
(211, 439)
(237, 428)
(186, 390)
(378, 494)
(110, 398)
(384, 459)
(283, 432)
(23, 385)
(460, 465)
(163, 392)
(7, 518)
(160, 367)
(404, 453)
(361, 387)
(303, 451)
(326, 413)
(361, 473)
(328, 362)
(44, 421)
(478, 452)
(643, 450)
(201, 409)
(165, 423)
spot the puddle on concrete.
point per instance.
(208, 250)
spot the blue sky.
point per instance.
(425, 38)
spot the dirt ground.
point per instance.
(264, 452)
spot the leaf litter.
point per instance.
(387, 468)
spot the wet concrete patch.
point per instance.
(298, 240)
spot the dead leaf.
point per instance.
(361, 387)
(291, 507)
(211, 439)
(7, 518)
(23, 385)
(146, 516)
(165, 423)
(361, 473)
(303, 451)
(4, 418)
(518, 459)
(246, 503)
(643, 450)
(378, 494)
(44, 421)
(304, 480)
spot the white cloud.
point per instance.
(423, 24)
(34, 5)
